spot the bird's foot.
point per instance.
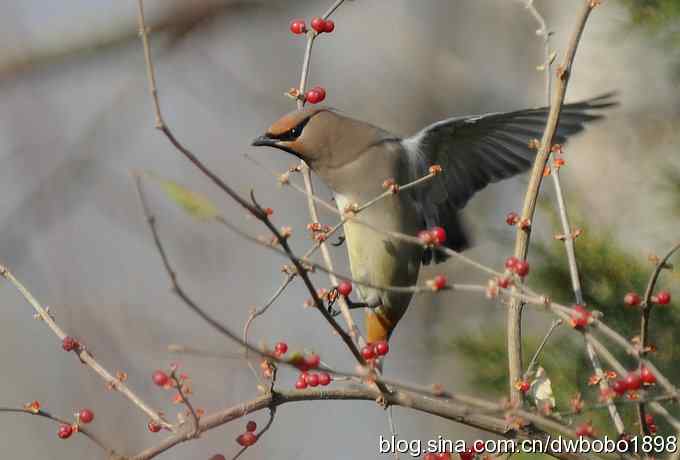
(340, 242)
(333, 296)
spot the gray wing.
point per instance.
(474, 151)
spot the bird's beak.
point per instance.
(264, 140)
(276, 143)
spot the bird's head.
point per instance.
(304, 133)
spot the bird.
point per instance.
(355, 158)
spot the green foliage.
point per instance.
(192, 203)
(661, 19)
(608, 272)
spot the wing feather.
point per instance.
(478, 150)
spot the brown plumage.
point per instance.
(355, 158)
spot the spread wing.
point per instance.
(474, 151)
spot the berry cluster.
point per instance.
(633, 299)
(580, 317)
(436, 236)
(517, 266)
(375, 350)
(249, 437)
(633, 381)
(312, 379)
(84, 416)
(319, 25)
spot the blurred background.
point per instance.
(76, 118)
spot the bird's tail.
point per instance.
(378, 326)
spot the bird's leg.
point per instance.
(340, 242)
(373, 303)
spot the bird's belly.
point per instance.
(378, 259)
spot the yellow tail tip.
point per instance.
(378, 326)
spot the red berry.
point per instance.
(69, 343)
(312, 379)
(652, 428)
(344, 288)
(324, 378)
(632, 381)
(585, 429)
(663, 297)
(467, 455)
(246, 439)
(160, 378)
(619, 387)
(522, 268)
(330, 26)
(439, 282)
(443, 456)
(478, 446)
(153, 427)
(512, 218)
(321, 91)
(298, 27)
(382, 348)
(510, 262)
(438, 235)
(86, 416)
(312, 361)
(580, 317)
(281, 348)
(504, 282)
(649, 420)
(65, 431)
(368, 352)
(314, 96)
(632, 299)
(523, 386)
(301, 383)
(318, 24)
(647, 376)
(430, 456)
(251, 426)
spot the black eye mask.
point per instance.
(291, 134)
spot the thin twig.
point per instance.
(514, 318)
(646, 310)
(179, 386)
(83, 354)
(537, 354)
(253, 209)
(259, 312)
(87, 433)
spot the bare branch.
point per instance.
(514, 319)
(83, 354)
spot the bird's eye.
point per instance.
(293, 133)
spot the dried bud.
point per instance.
(435, 169)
